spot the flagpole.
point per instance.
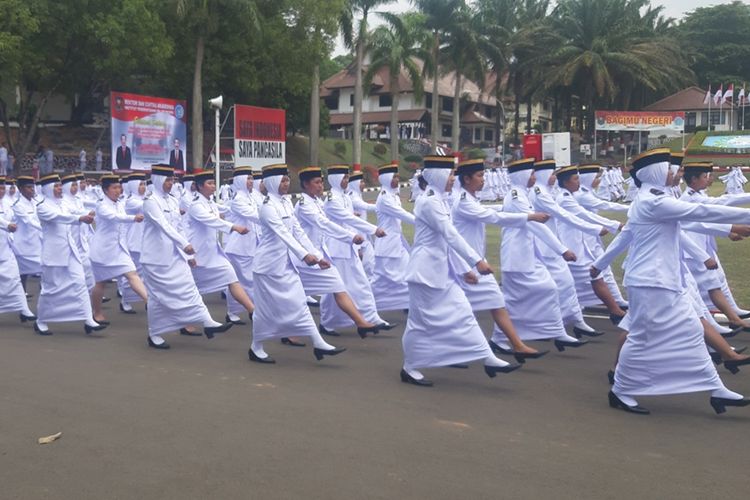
(710, 98)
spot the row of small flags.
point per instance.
(722, 97)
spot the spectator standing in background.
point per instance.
(99, 159)
(3, 160)
(82, 159)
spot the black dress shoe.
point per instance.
(105, 300)
(234, 322)
(40, 331)
(719, 404)
(614, 402)
(733, 333)
(560, 345)
(611, 377)
(102, 322)
(90, 329)
(406, 311)
(126, 311)
(330, 333)
(25, 318)
(615, 319)
(163, 345)
(499, 350)
(580, 332)
(320, 353)
(408, 379)
(210, 331)
(364, 330)
(293, 343)
(224, 295)
(268, 360)
(492, 371)
(745, 316)
(313, 304)
(733, 364)
(741, 328)
(188, 333)
(715, 357)
(387, 326)
(119, 296)
(459, 365)
(521, 357)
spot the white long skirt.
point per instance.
(724, 284)
(359, 289)
(128, 295)
(281, 307)
(243, 267)
(173, 298)
(388, 284)
(12, 296)
(317, 281)
(441, 329)
(483, 296)
(567, 294)
(105, 272)
(28, 265)
(368, 257)
(88, 272)
(63, 295)
(664, 352)
(214, 279)
(533, 304)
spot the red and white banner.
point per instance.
(147, 130)
(640, 120)
(259, 136)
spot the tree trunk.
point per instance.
(29, 137)
(528, 116)
(456, 122)
(315, 115)
(357, 129)
(197, 108)
(434, 119)
(394, 119)
(517, 115)
(6, 125)
(498, 111)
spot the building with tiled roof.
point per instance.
(690, 100)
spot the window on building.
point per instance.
(488, 111)
(448, 104)
(428, 101)
(447, 131)
(690, 120)
(385, 101)
(332, 102)
(489, 135)
(351, 100)
(477, 134)
(717, 118)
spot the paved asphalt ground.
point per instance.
(201, 421)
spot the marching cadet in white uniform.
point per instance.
(12, 296)
(109, 252)
(483, 293)
(63, 296)
(239, 248)
(582, 244)
(391, 251)
(213, 272)
(361, 207)
(543, 200)
(531, 294)
(441, 329)
(280, 297)
(73, 204)
(664, 352)
(327, 280)
(27, 241)
(174, 301)
(338, 207)
(135, 192)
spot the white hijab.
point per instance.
(272, 184)
(521, 178)
(239, 184)
(385, 183)
(335, 181)
(654, 176)
(437, 178)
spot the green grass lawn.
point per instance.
(733, 255)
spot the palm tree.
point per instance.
(393, 46)
(203, 19)
(438, 17)
(361, 9)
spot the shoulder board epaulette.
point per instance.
(265, 200)
(585, 190)
(301, 200)
(195, 198)
(514, 194)
(16, 202)
(330, 196)
(147, 195)
(463, 195)
(691, 192)
(566, 193)
(537, 190)
(657, 192)
(40, 201)
(382, 193)
(430, 193)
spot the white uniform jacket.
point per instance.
(58, 243)
(27, 240)
(110, 232)
(470, 217)
(322, 231)
(163, 243)
(338, 207)
(390, 215)
(204, 226)
(134, 232)
(574, 238)
(243, 210)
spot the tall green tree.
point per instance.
(394, 47)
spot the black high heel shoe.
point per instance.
(499, 350)
(188, 333)
(40, 331)
(362, 331)
(521, 357)
(293, 343)
(492, 371)
(731, 334)
(25, 318)
(615, 319)
(733, 364)
(163, 345)
(102, 322)
(614, 402)
(126, 311)
(560, 345)
(580, 332)
(320, 353)
(210, 331)
(408, 379)
(611, 377)
(330, 333)
(234, 322)
(268, 360)
(387, 326)
(715, 357)
(719, 404)
(90, 329)
(739, 327)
